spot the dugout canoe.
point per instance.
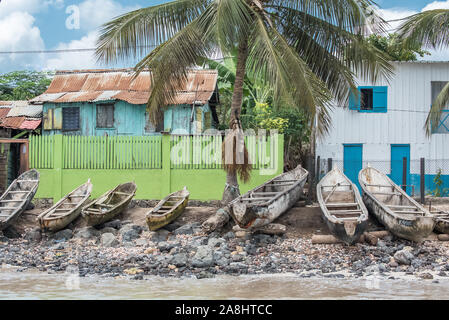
(168, 209)
(65, 210)
(109, 205)
(17, 197)
(342, 207)
(393, 207)
(263, 204)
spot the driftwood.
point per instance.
(216, 221)
(369, 237)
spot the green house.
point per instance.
(113, 102)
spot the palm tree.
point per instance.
(306, 50)
(429, 29)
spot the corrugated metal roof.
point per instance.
(31, 111)
(16, 103)
(104, 85)
(12, 122)
(30, 124)
(4, 112)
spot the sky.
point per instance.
(36, 25)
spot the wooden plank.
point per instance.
(278, 184)
(401, 206)
(344, 211)
(336, 205)
(409, 212)
(388, 193)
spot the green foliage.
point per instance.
(439, 191)
(396, 48)
(23, 85)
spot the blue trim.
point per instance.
(380, 99)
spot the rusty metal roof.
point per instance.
(30, 124)
(20, 115)
(104, 85)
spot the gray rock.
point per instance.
(65, 234)
(109, 230)
(109, 240)
(129, 234)
(237, 266)
(222, 262)
(203, 257)
(131, 226)
(229, 235)
(189, 228)
(87, 233)
(141, 242)
(165, 246)
(179, 260)
(404, 256)
(116, 224)
(11, 233)
(238, 257)
(425, 275)
(216, 242)
(159, 235)
(34, 235)
(172, 226)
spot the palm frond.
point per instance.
(429, 28)
(436, 111)
(135, 33)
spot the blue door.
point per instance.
(398, 152)
(352, 162)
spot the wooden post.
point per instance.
(318, 162)
(404, 174)
(329, 164)
(422, 182)
(311, 178)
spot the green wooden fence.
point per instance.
(158, 164)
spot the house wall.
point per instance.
(131, 119)
(409, 101)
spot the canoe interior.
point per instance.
(389, 194)
(69, 203)
(339, 198)
(112, 199)
(168, 209)
(266, 193)
(18, 195)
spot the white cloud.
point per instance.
(75, 60)
(436, 5)
(31, 6)
(94, 13)
(21, 34)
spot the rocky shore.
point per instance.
(125, 247)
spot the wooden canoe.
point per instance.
(263, 204)
(393, 207)
(342, 207)
(441, 219)
(168, 209)
(17, 197)
(110, 204)
(65, 210)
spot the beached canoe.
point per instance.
(65, 210)
(342, 207)
(397, 211)
(110, 204)
(16, 198)
(441, 219)
(263, 204)
(168, 209)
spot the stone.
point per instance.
(425, 275)
(116, 224)
(109, 240)
(215, 242)
(34, 235)
(172, 226)
(237, 266)
(141, 242)
(404, 256)
(229, 235)
(393, 263)
(131, 226)
(65, 234)
(129, 235)
(179, 259)
(87, 233)
(159, 235)
(165, 246)
(188, 228)
(203, 257)
(114, 231)
(11, 233)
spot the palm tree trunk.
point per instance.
(232, 190)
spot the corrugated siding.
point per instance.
(409, 100)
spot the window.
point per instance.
(105, 116)
(70, 118)
(443, 125)
(369, 99)
(366, 99)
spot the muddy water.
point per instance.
(34, 285)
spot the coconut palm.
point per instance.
(429, 29)
(306, 50)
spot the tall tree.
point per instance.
(429, 29)
(306, 50)
(396, 48)
(23, 85)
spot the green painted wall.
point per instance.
(204, 184)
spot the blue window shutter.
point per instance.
(354, 101)
(380, 94)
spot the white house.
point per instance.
(385, 123)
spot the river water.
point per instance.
(36, 285)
